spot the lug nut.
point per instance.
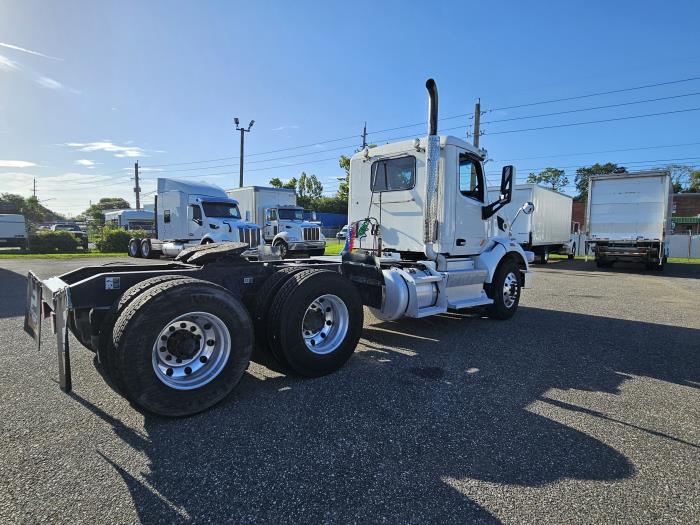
(168, 357)
(193, 328)
(163, 337)
(172, 328)
(329, 323)
(178, 360)
(183, 325)
(188, 370)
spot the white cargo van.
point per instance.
(546, 230)
(283, 225)
(13, 231)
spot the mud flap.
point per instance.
(61, 301)
(32, 310)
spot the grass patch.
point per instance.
(20, 255)
(591, 258)
(333, 246)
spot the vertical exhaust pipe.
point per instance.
(432, 159)
(431, 86)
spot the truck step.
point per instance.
(430, 310)
(470, 303)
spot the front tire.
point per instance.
(182, 346)
(316, 321)
(284, 249)
(505, 291)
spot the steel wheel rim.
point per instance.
(191, 350)
(132, 248)
(325, 324)
(510, 290)
(145, 249)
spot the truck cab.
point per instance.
(196, 213)
(285, 227)
(420, 214)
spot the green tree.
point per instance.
(583, 175)
(685, 179)
(694, 185)
(276, 182)
(551, 177)
(33, 211)
(96, 212)
(344, 186)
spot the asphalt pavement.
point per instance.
(583, 408)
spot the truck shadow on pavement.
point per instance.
(423, 415)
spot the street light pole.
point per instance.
(243, 132)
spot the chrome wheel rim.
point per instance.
(510, 290)
(133, 250)
(325, 324)
(191, 350)
(146, 249)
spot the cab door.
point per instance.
(270, 228)
(195, 221)
(470, 228)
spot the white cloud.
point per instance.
(49, 83)
(8, 65)
(25, 50)
(16, 164)
(282, 128)
(86, 162)
(110, 147)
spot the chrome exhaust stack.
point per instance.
(431, 180)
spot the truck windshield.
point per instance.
(224, 210)
(291, 215)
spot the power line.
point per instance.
(591, 122)
(600, 93)
(330, 141)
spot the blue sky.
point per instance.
(87, 88)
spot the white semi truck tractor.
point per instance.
(176, 337)
(190, 214)
(282, 222)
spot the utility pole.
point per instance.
(243, 132)
(137, 189)
(34, 190)
(364, 136)
(477, 122)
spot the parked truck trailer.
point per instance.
(176, 337)
(546, 230)
(13, 230)
(629, 218)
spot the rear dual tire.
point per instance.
(205, 360)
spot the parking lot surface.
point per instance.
(583, 408)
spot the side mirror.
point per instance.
(528, 208)
(247, 215)
(507, 177)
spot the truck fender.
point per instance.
(500, 249)
(282, 236)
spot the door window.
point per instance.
(271, 215)
(166, 216)
(196, 213)
(394, 174)
(471, 178)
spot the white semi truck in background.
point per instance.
(177, 336)
(546, 230)
(193, 213)
(282, 222)
(629, 218)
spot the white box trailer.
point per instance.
(131, 219)
(629, 217)
(13, 230)
(546, 230)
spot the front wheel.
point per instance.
(284, 249)
(505, 291)
(182, 346)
